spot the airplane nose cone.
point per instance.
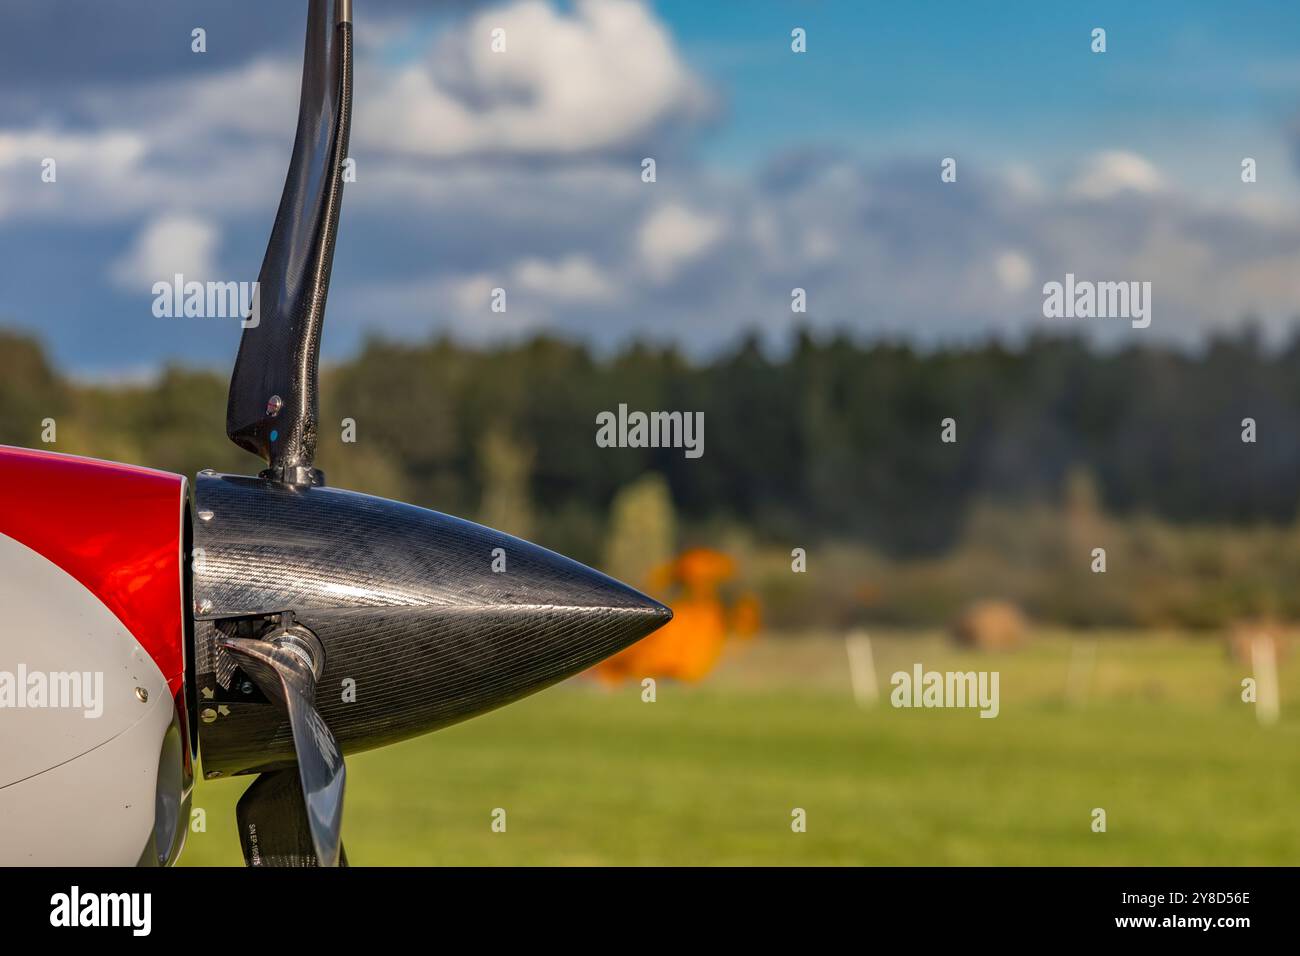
(425, 619)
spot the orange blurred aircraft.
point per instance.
(689, 646)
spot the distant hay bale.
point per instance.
(990, 625)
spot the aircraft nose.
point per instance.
(425, 619)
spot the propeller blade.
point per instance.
(285, 666)
(273, 828)
(273, 406)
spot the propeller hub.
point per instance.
(303, 644)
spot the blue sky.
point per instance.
(775, 170)
(1001, 80)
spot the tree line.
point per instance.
(827, 439)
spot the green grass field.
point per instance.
(710, 774)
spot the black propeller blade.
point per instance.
(285, 667)
(273, 403)
(273, 828)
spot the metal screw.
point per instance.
(205, 606)
(212, 773)
(142, 694)
(205, 515)
(246, 687)
(208, 715)
(273, 405)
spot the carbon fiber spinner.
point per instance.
(412, 617)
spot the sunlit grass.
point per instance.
(710, 774)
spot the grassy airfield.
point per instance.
(1153, 731)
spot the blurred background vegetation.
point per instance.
(833, 447)
(1120, 690)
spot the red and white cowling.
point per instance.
(95, 751)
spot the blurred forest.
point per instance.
(833, 446)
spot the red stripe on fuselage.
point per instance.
(115, 528)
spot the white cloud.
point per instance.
(185, 115)
(602, 77)
(1110, 173)
(168, 245)
(819, 245)
(536, 290)
(1023, 181)
(534, 284)
(575, 278)
(880, 249)
(469, 295)
(672, 236)
(1013, 270)
(191, 144)
(110, 150)
(85, 164)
